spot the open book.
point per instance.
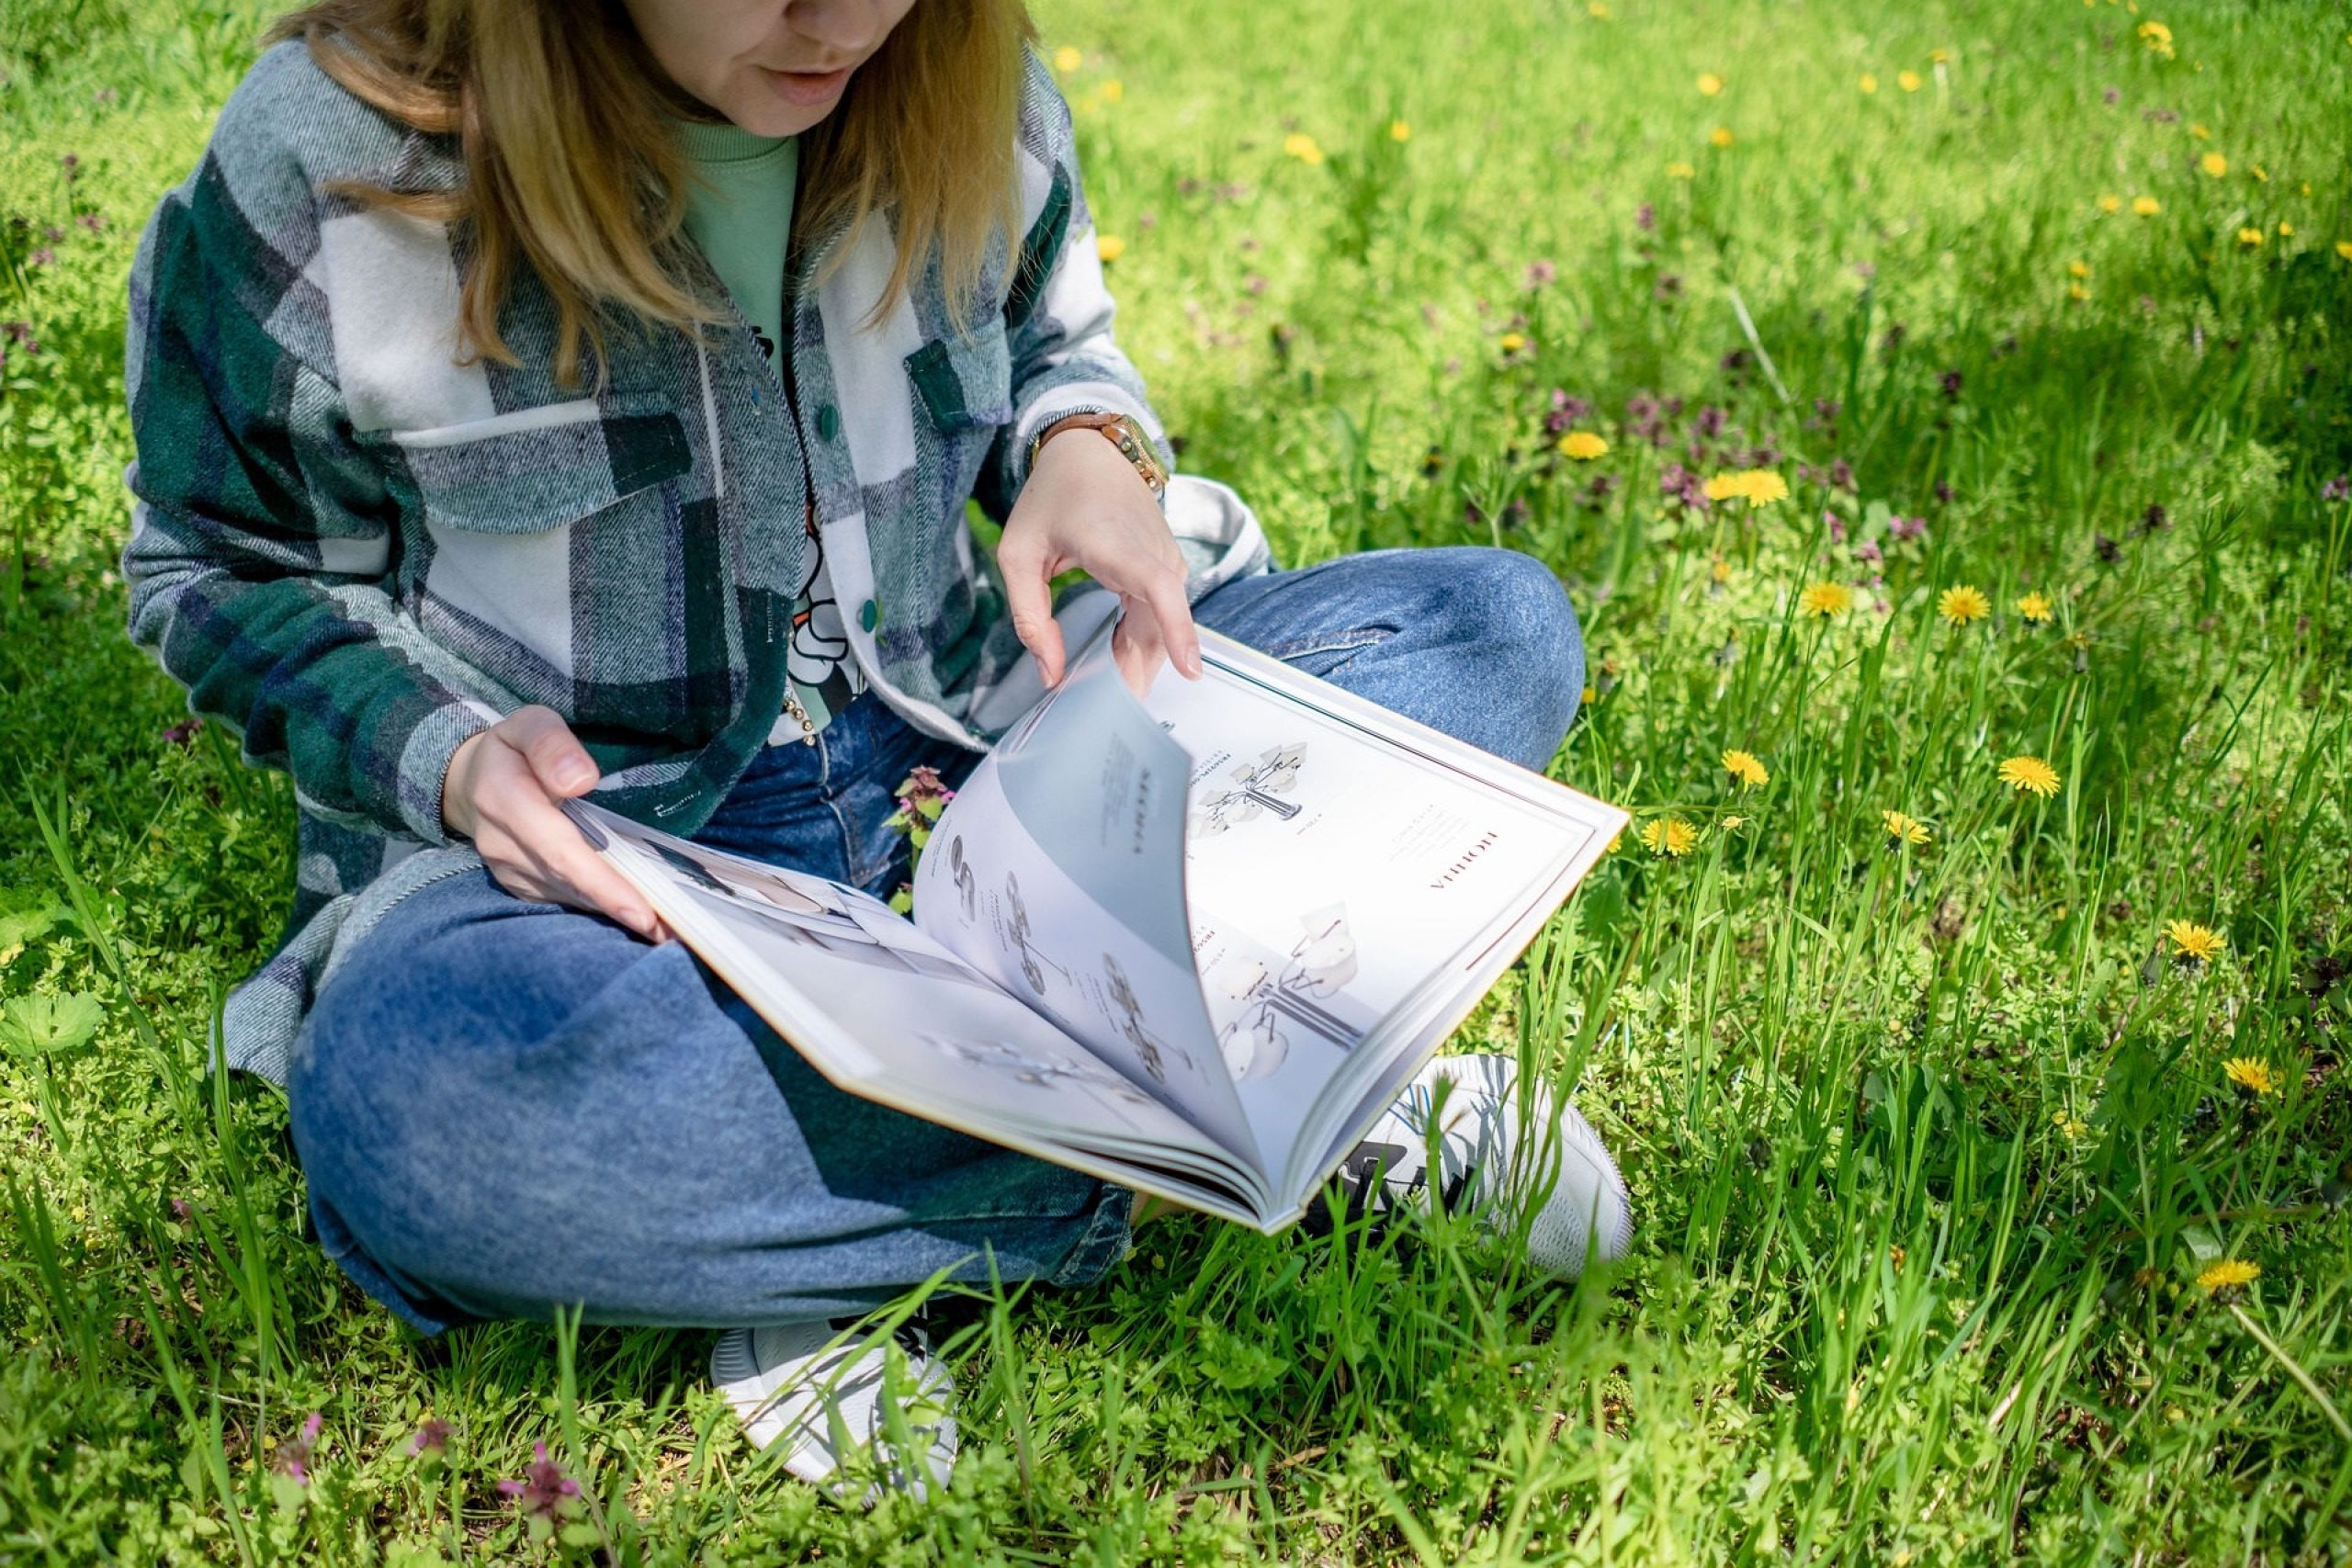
(1193, 945)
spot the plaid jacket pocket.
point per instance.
(543, 467)
(965, 383)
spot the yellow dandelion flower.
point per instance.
(2200, 131)
(2251, 1076)
(1723, 486)
(2228, 1275)
(1582, 446)
(1511, 342)
(1303, 147)
(1599, 11)
(1745, 767)
(2261, 174)
(1669, 836)
(1678, 170)
(1907, 80)
(1762, 487)
(2158, 37)
(1720, 572)
(2111, 203)
(2193, 944)
(2215, 165)
(2249, 237)
(2035, 607)
(1399, 131)
(2077, 291)
(1708, 84)
(2344, 249)
(2078, 269)
(2146, 206)
(2030, 775)
(1904, 830)
(1826, 600)
(1110, 247)
(1114, 90)
(2286, 230)
(1721, 137)
(1868, 82)
(1067, 59)
(1962, 605)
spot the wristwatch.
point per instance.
(1133, 442)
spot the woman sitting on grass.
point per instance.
(535, 398)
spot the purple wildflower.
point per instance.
(1735, 362)
(1841, 475)
(72, 166)
(41, 257)
(2111, 95)
(1646, 218)
(1685, 487)
(1868, 551)
(2154, 519)
(1566, 410)
(432, 1436)
(1949, 383)
(2107, 549)
(1943, 494)
(1709, 422)
(183, 732)
(922, 787)
(95, 222)
(2338, 489)
(1906, 528)
(294, 1455)
(544, 1490)
(1837, 527)
(1540, 273)
(1668, 286)
(182, 1209)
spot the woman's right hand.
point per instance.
(502, 791)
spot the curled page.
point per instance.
(1059, 872)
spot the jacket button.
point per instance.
(868, 614)
(828, 422)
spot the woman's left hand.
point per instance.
(1085, 506)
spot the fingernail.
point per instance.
(574, 775)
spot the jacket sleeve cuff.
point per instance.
(423, 767)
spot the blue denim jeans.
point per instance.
(504, 1106)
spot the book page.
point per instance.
(881, 1009)
(1057, 871)
(1336, 877)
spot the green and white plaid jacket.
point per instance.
(357, 552)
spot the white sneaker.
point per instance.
(1494, 1161)
(819, 1388)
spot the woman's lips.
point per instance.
(808, 88)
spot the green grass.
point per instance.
(1927, 1147)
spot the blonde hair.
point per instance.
(559, 108)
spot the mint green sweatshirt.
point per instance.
(741, 214)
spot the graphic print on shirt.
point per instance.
(819, 660)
